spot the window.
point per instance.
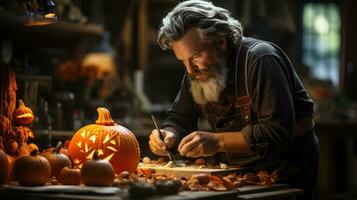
(321, 40)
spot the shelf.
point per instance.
(58, 33)
(55, 27)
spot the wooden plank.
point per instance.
(220, 194)
(75, 189)
(261, 188)
(189, 171)
(14, 195)
(289, 193)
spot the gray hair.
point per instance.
(210, 21)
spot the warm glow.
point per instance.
(79, 144)
(25, 115)
(86, 147)
(33, 22)
(100, 152)
(92, 138)
(90, 155)
(104, 62)
(76, 161)
(109, 157)
(50, 15)
(83, 134)
(106, 138)
(108, 143)
(113, 143)
(112, 148)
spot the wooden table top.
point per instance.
(18, 193)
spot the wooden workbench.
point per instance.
(277, 191)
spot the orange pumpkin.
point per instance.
(114, 143)
(70, 176)
(97, 172)
(57, 160)
(32, 170)
(4, 167)
(23, 115)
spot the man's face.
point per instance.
(202, 59)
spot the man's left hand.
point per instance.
(199, 144)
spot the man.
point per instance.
(245, 88)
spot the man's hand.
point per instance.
(199, 144)
(158, 146)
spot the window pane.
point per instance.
(321, 40)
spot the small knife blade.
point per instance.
(160, 135)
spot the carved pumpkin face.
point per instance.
(23, 115)
(113, 142)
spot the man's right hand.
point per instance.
(158, 146)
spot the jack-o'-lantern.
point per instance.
(23, 115)
(113, 142)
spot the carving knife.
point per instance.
(160, 135)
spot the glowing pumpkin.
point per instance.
(23, 115)
(114, 143)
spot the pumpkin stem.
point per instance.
(95, 155)
(34, 152)
(104, 117)
(21, 103)
(58, 147)
(72, 164)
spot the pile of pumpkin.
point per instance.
(105, 139)
(52, 167)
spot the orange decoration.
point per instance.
(23, 115)
(114, 143)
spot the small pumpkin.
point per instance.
(113, 142)
(57, 160)
(97, 172)
(32, 147)
(4, 167)
(32, 170)
(23, 115)
(70, 176)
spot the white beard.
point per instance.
(209, 90)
